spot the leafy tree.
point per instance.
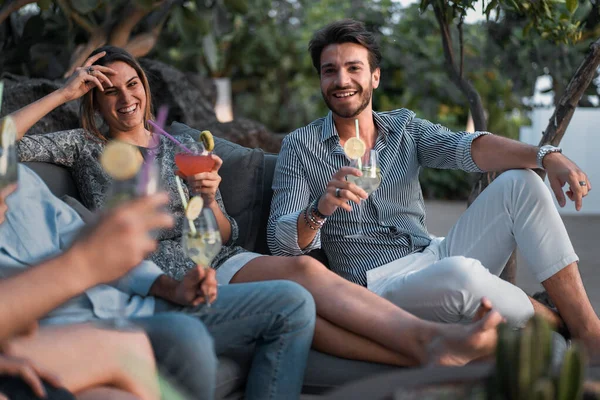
(56, 40)
(553, 20)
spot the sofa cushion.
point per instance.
(241, 186)
(86, 215)
(325, 372)
(231, 377)
(57, 178)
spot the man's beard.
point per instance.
(365, 97)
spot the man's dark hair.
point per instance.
(344, 31)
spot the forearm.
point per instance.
(164, 288)
(54, 282)
(497, 153)
(222, 221)
(306, 235)
(29, 115)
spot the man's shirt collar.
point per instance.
(328, 130)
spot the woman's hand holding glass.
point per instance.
(199, 285)
(206, 184)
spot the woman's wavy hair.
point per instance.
(88, 106)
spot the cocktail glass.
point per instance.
(194, 163)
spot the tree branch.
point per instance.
(82, 52)
(473, 97)
(133, 14)
(560, 119)
(12, 6)
(141, 44)
(73, 15)
(461, 43)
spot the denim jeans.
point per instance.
(184, 352)
(275, 318)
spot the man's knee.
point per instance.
(461, 272)
(520, 179)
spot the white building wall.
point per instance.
(581, 144)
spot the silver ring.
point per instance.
(90, 71)
(337, 192)
(582, 183)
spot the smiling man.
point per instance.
(315, 206)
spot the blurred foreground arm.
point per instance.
(116, 245)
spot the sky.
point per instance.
(472, 16)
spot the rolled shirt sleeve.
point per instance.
(140, 279)
(291, 195)
(438, 147)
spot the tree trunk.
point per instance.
(565, 108)
(560, 119)
(478, 114)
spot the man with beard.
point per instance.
(439, 279)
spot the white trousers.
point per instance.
(448, 279)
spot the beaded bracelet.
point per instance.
(315, 221)
(306, 220)
(315, 210)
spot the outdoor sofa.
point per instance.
(246, 189)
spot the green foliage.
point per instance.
(523, 366)
(553, 19)
(262, 46)
(203, 36)
(445, 184)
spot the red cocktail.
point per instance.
(192, 164)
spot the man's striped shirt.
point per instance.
(394, 214)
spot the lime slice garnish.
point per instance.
(207, 140)
(120, 160)
(354, 148)
(194, 208)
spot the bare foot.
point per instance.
(459, 344)
(484, 308)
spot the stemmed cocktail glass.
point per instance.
(369, 182)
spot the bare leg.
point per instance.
(105, 393)
(85, 357)
(356, 309)
(551, 316)
(332, 339)
(566, 290)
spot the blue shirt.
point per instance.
(394, 214)
(40, 226)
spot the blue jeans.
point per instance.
(276, 318)
(184, 352)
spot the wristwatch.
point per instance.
(544, 151)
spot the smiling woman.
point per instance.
(125, 101)
(114, 87)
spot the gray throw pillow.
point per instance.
(241, 186)
(86, 215)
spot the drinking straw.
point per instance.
(161, 119)
(1, 92)
(152, 150)
(184, 202)
(171, 138)
(359, 161)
